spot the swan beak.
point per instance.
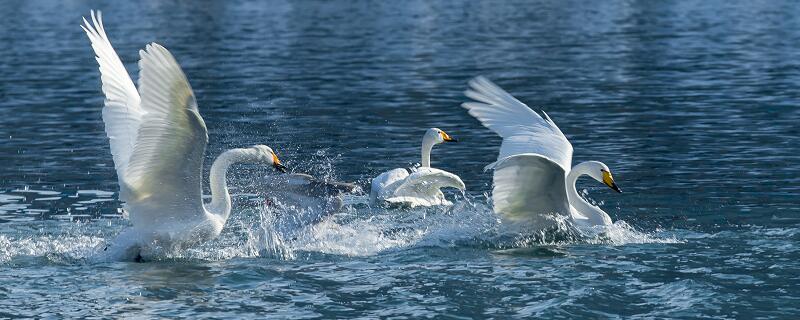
(276, 163)
(448, 138)
(609, 181)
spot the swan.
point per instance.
(532, 177)
(417, 186)
(308, 198)
(158, 140)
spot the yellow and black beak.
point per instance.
(276, 163)
(447, 138)
(609, 181)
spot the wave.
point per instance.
(362, 230)
(358, 230)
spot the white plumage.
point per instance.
(417, 186)
(533, 175)
(158, 140)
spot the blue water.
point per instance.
(693, 104)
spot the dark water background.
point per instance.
(693, 104)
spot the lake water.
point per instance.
(693, 104)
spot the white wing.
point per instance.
(122, 113)
(422, 187)
(529, 188)
(385, 180)
(522, 129)
(529, 175)
(164, 175)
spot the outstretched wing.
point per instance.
(122, 112)
(522, 129)
(164, 175)
(529, 188)
(422, 187)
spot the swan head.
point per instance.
(438, 136)
(600, 172)
(265, 154)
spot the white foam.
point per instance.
(59, 248)
(357, 231)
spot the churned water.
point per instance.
(693, 104)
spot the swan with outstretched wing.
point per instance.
(533, 177)
(158, 140)
(417, 186)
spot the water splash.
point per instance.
(361, 230)
(48, 242)
(256, 230)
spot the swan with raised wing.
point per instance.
(533, 177)
(158, 140)
(417, 186)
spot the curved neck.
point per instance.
(427, 146)
(595, 215)
(220, 198)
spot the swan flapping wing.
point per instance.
(122, 112)
(528, 188)
(522, 129)
(164, 175)
(422, 187)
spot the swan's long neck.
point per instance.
(220, 198)
(427, 146)
(595, 215)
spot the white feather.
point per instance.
(533, 175)
(529, 183)
(122, 113)
(165, 170)
(421, 188)
(158, 139)
(522, 129)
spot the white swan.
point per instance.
(157, 141)
(418, 186)
(532, 176)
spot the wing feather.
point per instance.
(535, 157)
(122, 112)
(529, 188)
(422, 187)
(165, 170)
(522, 129)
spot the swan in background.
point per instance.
(308, 199)
(158, 139)
(417, 186)
(532, 176)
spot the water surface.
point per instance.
(693, 104)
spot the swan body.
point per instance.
(158, 140)
(308, 199)
(533, 178)
(417, 186)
